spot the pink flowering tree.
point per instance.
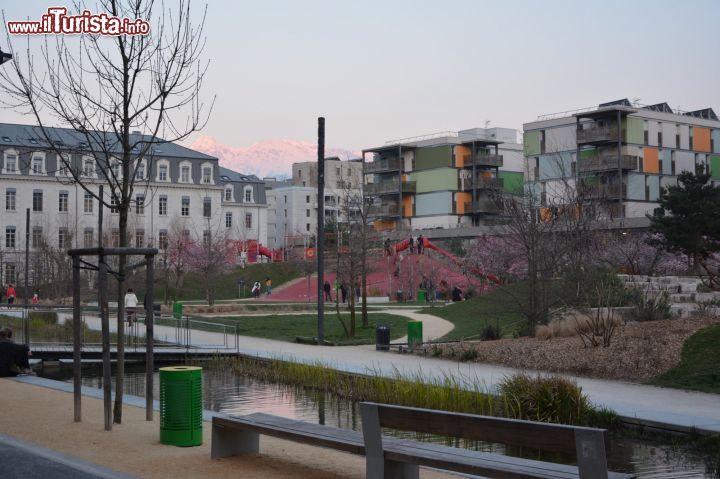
(175, 250)
(211, 257)
(634, 253)
(501, 256)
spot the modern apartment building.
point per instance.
(443, 180)
(176, 189)
(627, 153)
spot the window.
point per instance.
(140, 204)
(37, 234)
(248, 194)
(347, 172)
(248, 220)
(207, 175)
(307, 226)
(337, 171)
(691, 139)
(10, 165)
(285, 198)
(307, 213)
(10, 199)
(62, 167)
(88, 238)
(185, 206)
(162, 206)
(37, 200)
(307, 199)
(163, 239)
(228, 194)
(162, 172)
(114, 204)
(285, 213)
(185, 174)
(659, 135)
(645, 132)
(88, 167)
(63, 202)
(88, 203)
(139, 238)
(10, 274)
(207, 207)
(115, 168)
(38, 165)
(299, 173)
(228, 220)
(63, 237)
(115, 237)
(206, 237)
(677, 136)
(10, 237)
(140, 171)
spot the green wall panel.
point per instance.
(441, 179)
(634, 130)
(433, 157)
(512, 181)
(715, 167)
(531, 140)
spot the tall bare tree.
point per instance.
(105, 89)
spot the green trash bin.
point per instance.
(181, 406)
(415, 336)
(421, 295)
(177, 310)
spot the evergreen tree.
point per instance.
(688, 221)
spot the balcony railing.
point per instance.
(609, 192)
(390, 164)
(390, 187)
(383, 210)
(597, 134)
(482, 205)
(483, 160)
(608, 163)
(481, 183)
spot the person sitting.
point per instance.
(13, 357)
(457, 294)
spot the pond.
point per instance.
(227, 392)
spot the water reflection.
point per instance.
(229, 393)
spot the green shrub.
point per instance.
(49, 317)
(490, 333)
(469, 355)
(650, 305)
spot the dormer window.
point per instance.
(248, 193)
(185, 172)
(63, 168)
(115, 168)
(207, 174)
(228, 194)
(10, 163)
(88, 167)
(163, 171)
(140, 171)
(37, 166)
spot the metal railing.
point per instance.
(607, 163)
(483, 160)
(481, 183)
(377, 166)
(384, 210)
(389, 187)
(482, 205)
(598, 133)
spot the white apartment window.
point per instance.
(185, 174)
(88, 203)
(139, 238)
(307, 199)
(88, 167)
(114, 204)
(10, 237)
(307, 213)
(228, 220)
(299, 173)
(10, 199)
(115, 167)
(163, 239)
(163, 168)
(62, 167)
(37, 200)
(206, 237)
(248, 194)
(140, 171)
(140, 204)
(307, 226)
(10, 273)
(11, 164)
(248, 220)
(207, 175)
(228, 194)
(88, 238)
(337, 172)
(63, 237)
(185, 206)
(207, 207)
(285, 198)
(38, 165)
(63, 202)
(162, 206)
(37, 234)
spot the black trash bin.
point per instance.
(156, 310)
(382, 337)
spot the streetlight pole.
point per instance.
(321, 230)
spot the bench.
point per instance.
(400, 459)
(390, 457)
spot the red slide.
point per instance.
(405, 244)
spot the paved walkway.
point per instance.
(671, 408)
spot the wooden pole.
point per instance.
(77, 328)
(149, 334)
(104, 320)
(26, 321)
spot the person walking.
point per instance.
(387, 247)
(131, 302)
(420, 244)
(10, 294)
(344, 292)
(256, 290)
(36, 297)
(327, 289)
(412, 244)
(268, 286)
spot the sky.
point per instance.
(382, 70)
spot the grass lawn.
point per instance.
(289, 327)
(699, 367)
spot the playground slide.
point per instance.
(405, 244)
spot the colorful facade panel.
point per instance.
(714, 163)
(435, 180)
(531, 143)
(460, 199)
(715, 135)
(634, 130)
(635, 186)
(701, 139)
(512, 181)
(666, 156)
(461, 152)
(434, 157)
(439, 203)
(651, 160)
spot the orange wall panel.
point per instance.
(651, 161)
(460, 152)
(701, 139)
(461, 199)
(384, 225)
(407, 206)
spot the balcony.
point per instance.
(599, 134)
(481, 183)
(609, 192)
(483, 160)
(482, 205)
(381, 166)
(383, 210)
(390, 187)
(608, 163)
